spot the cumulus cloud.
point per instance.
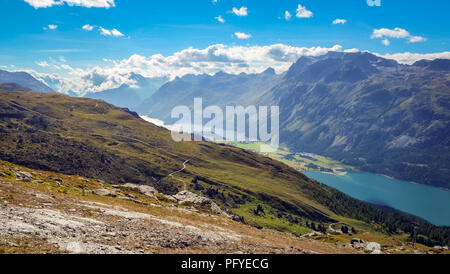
(392, 33)
(113, 32)
(103, 31)
(339, 21)
(242, 35)
(220, 19)
(415, 39)
(410, 58)
(210, 60)
(50, 27)
(88, 27)
(396, 33)
(43, 64)
(243, 11)
(287, 15)
(82, 3)
(302, 12)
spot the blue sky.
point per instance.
(167, 27)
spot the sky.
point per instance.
(93, 45)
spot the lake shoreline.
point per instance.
(420, 200)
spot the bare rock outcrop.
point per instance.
(189, 198)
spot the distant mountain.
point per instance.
(371, 113)
(24, 79)
(130, 97)
(364, 110)
(220, 89)
(13, 87)
(438, 64)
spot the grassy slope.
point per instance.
(96, 140)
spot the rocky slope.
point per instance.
(46, 212)
(42, 212)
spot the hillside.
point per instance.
(24, 79)
(90, 138)
(56, 213)
(47, 212)
(368, 112)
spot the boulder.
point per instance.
(148, 191)
(374, 248)
(189, 198)
(23, 176)
(104, 192)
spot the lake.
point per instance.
(430, 203)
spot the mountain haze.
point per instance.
(130, 96)
(220, 89)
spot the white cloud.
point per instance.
(302, 12)
(220, 19)
(392, 33)
(113, 32)
(242, 35)
(386, 42)
(353, 50)
(43, 64)
(410, 58)
(339, 21)
(240, 12)
(396, 33)
(106, 32)
(415, 39)
(116, 33)
(50, 27)
(210, 60)
(287, 15)
(88, 27)
(82, 3)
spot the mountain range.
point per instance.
(111, 145)
(130, 96)
(366, 111)
(220, 89)
(24, 79)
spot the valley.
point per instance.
(94, 140)
(360, 109)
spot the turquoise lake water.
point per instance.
(430, 203)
